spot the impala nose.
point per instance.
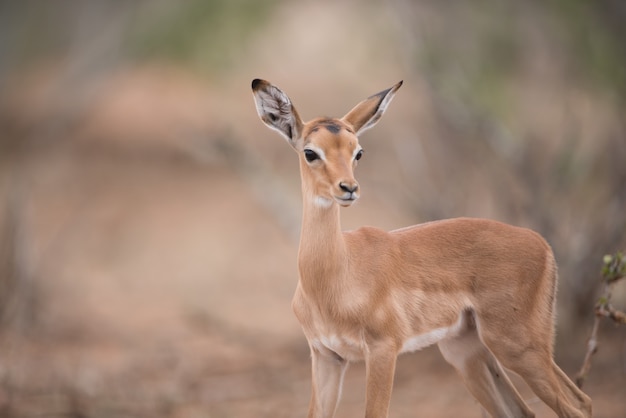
(349, 187)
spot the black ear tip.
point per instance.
(256, 83)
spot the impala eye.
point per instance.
(358, 155)
(311, 155)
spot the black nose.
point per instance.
(349, 188)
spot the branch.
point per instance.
(592, 348)
(613, 270)
(608, 311)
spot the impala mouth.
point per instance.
(347, 199)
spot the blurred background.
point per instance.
(149, 222)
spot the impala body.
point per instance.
(482, 290)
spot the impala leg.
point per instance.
(552, 385)
(482, 373)
(533, 361)
(380, 365)
(328, 372)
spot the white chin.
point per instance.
(323, 202)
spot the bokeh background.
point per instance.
(149, 222)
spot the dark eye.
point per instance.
(311, 155)
(358, 155)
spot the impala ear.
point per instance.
(367, 113)
(276, 111)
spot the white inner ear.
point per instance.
(274, 108)
(272, 100)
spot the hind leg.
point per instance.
(528, 352)
(482, 373)
(552, 385)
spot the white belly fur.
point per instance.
(431, 337)
(424, 340)
(353, 349)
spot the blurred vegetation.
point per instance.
(474, 70)
(478, 69)
(202, 34)
(594, 35)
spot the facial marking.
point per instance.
(332, 128)
(331, 125)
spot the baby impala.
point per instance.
(483, 291)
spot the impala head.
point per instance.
(328, 147)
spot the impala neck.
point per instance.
(322, 256)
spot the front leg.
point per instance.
(380, 364)
(328, 371)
